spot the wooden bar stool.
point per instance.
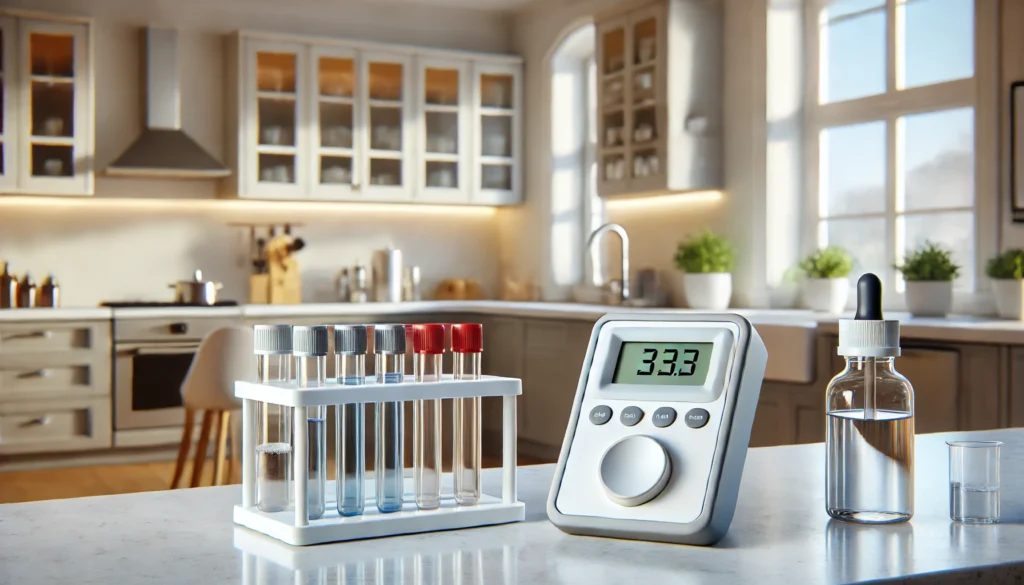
(224, 356)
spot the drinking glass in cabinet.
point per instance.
(337, 77)
(335, 125)
(613, 95)
(645, 163)
(614, 129)
(645, 35)
(52, 161)
(276, 168)
(384, 171)
(643, 85)
(496, 177)
(52, 56)
(614, 51)
(386, 81)
(276, 121)
(645, 122)
(336, 170)
(495, 132)
(496, 91)
(442, 175)
(442, 132)
(52, 108)
(614, 168)
(385, 128)
(442, 87)
(275, 72)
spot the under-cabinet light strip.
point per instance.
(664, 201)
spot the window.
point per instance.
(891, 137)
(576, 209)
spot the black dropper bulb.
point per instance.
(869, 298)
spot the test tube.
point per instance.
(309, 345)
(272, 345)
(389, 347)
(428, 345)
(467, 348)
(350, 464)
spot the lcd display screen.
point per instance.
(663, 364)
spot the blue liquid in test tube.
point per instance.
(389, 347)
(350, 362)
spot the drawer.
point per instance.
(20, 338)
(38, 379)
(54, 426)
(543, 336)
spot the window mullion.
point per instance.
(893, 48)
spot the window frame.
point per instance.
(979, 92)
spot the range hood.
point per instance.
(164, 150)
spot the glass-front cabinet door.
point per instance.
(8, 132)
(337, 164)
(387, 98)
(647, 100)
(498, 107)
(444, 135)
(55, 152)
(274, 122)
(614, 119)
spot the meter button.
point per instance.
(600, 414)
(664, 417)
(696, 418)
(635, 470)
(631, 415)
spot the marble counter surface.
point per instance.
(780, 535)
(61, 314)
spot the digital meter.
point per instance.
(658, 434)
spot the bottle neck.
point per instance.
(880, 363)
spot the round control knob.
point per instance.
(179, 328)
(635, 470)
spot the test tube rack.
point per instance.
(293, 526)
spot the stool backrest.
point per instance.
(224, 356)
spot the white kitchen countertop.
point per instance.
(61, 314)
(780, 535)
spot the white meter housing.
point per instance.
(655, 445)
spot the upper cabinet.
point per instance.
(46, 111)
(347, 121)
(660, 98)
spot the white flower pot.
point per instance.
(826, 294)
(929, 298)
(711, 290)
(1009, 295)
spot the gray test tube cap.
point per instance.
(309, 341)
(272, 339)
(389, 339)
(350, 339)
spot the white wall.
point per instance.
(162, 247)
(655, 230)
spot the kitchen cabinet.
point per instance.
(46, 114)
(325, 119)
(788, 414)
(660, 97)
(55, 384)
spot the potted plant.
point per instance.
(707, 261)
(929, 272)
(1006, 271)
(828, 284)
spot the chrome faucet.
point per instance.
(621, 231)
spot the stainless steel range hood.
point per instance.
(164, 150)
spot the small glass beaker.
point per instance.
(974, 481)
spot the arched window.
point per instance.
(576, 210)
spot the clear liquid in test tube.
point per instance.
(467, 349)
(272, 345)
(428, 347)
(389, 420)
(350, 464)
(309, 346)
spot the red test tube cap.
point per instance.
(467, 338)
(428, 338)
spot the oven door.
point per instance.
(147, 388)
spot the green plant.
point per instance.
(929, 262)
(1009, 264)
(830, 262)
(708, 252)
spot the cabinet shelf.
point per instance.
(275, 149)
(333, 99)
(385, 103)
(335, 151)
(496, 160)
(493, 111)
(441, 157)
(53, 140)
(386, 154)
(276, 95)
(614, 75)
(53, 79)
(620, 149)
(441, 108)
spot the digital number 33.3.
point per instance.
(690, 357)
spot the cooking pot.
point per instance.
(196, 291)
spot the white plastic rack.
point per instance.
(293, 526)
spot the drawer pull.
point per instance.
(31, 335)
(41, 421)
(37, 374)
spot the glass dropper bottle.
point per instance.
(428, 345)
(467, 347)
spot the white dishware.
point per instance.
(53, 167)
(652, 164)
(496, 95)
(647, 46)
(273, 135)
(613, 136)
(643, 133)
(643, 81)
(336, 175)
(337, 136)
(282, 174)
(267, 174)
(495, 144)
(53, 127)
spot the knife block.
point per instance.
(285, 282)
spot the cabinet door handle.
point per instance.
(41, 421)
(43, 373)
(30, 335)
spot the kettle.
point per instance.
(8, 288)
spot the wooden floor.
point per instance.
(77, 482)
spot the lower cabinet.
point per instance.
(787, 414)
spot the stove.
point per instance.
(157, 304)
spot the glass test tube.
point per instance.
(309, 345)
(272, 345)
(350, 464)
(428, 345)
(389, 347)
(467, 347)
